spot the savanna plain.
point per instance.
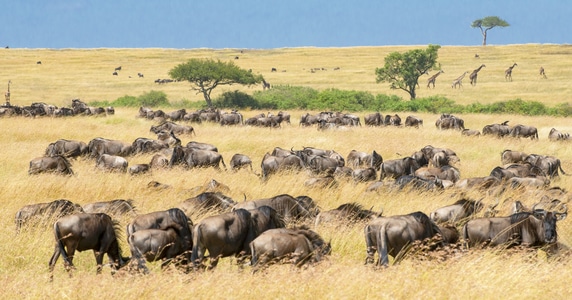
(65, 74)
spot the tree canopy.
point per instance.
(207, 74)
(487, 24)
(402, 70)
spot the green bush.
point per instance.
(153, 99)
(235, 100)
(284, 97)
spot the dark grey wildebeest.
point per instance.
(498, 130)
(239, 161)
(390, 235)
(82, 232)
(137, 169)
(201, 146)
(67, 148)
(233, 118)
(396, 168)
(207, 202)
(299, 244)
(361, 159)
(413, 121)
(115, 207)
(174, 128)
(272, 164)
(536, 228)
(289, 207)
(512, 157)
(524, 131)
(196, 158)
(45, 212)
(98, 146)
(346, 213)
(231, 233)
(57, 165)
(112, 163)
(154, 245)
(375, 119)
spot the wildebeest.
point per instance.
(196, 158)
(364, 175)
(499, 130)
(524, 131)
(444, 173)
(138, 169)
(470, 132)
(67, 148)
(448, 121)
(112, 163)
(417, 183)
(98, 146)
(239, 161)
(328, 181)
(156, 244)
(115, 207)
(511, 156)
(548, 164)
(233, 118)
(413, 121)
(484, 182)
(201, 146)
(56, 164)
(396, 168)
(391, 235)
(556, 135)
(290, 208)
(82, 232)
(231, 233)
(159, 160)
(298, 244)
(375, 119)
(44, 212)
(536, 228)
(271, 164)
(346, 213)
(361, 159)
(173, 127)
(456, 212)
(205, 202)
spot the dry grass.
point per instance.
(478, 274)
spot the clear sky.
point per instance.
(276, 23)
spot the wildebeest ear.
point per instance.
(539, 213)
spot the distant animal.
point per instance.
(138, 169)
(524, 131)
(173, 127)
(114, 74)
(239, 161)
(508, 72)
(39, 62)
(112, 163)
(230, 234)
(388, 236)
(474, 74)
(196, 158)
(82, 232)
(45, 212)
(470, 132)
(118, 68)
(431, 80)
(273, 70)
(413, 121)
(140, 75)
(113, 208)
(55, 164)
(499, 130)
(301, 245)
(542, 73)
(458, 82)
(556, 135)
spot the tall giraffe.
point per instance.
(473, 76)
(431, 80)
(542, 73)
(508, 72)
(7, 95)
(459, 80)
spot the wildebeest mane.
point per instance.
(429, 227)
(180, 217)
(271, 215)
(350, 208)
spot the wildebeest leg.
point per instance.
(99, 260)
(214, 261)
(54, 259)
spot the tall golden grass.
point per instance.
(65, 74)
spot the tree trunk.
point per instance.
(485, 38)
(208, 99)
(412, 93)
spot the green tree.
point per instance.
(402, 70)
(487, 24)
(206, 74)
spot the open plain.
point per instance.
(87, 74)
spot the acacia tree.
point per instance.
(402, 70)
(207, 74)
(487, 24)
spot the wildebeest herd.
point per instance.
(273, 228)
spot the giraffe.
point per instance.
(265, 85)
(459, 81)
(473, 76)
(431, 80)
(7, 95)
(542, 73)
(508, 72)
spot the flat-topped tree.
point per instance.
(487, 24)
(207, 74)
(402, 70)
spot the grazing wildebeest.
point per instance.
(98, 146)
(289, 207)
(177, 115)
(118, 68)
(536, 228)
(348, 212)
(548, 164)
(396, 168)
(448, 121)
(470, 132)
(364, 175)
(156, 244)
(173, 127)
(115, 207)
(361, 159)
(321, 182)
(298, 244)
(390, 235)
(67, 148)
(375, 119)
(418, 183)
(444, 173)
(231, 233)
(239, 161)
(555, 135)
(82, 232)
(159, 160)
(233, 118)
(43, 212)
(207, 201)
(511, 157)
(201, 146)
(413, 121)
(112, 163)
(499, 130)
(271, 164)
(192, 157)
(138, 169)
(56, 164)
(524, 131)
(456, 212)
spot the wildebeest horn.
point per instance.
(496, 204)
(244, 196)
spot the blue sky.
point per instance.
(276, 23)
